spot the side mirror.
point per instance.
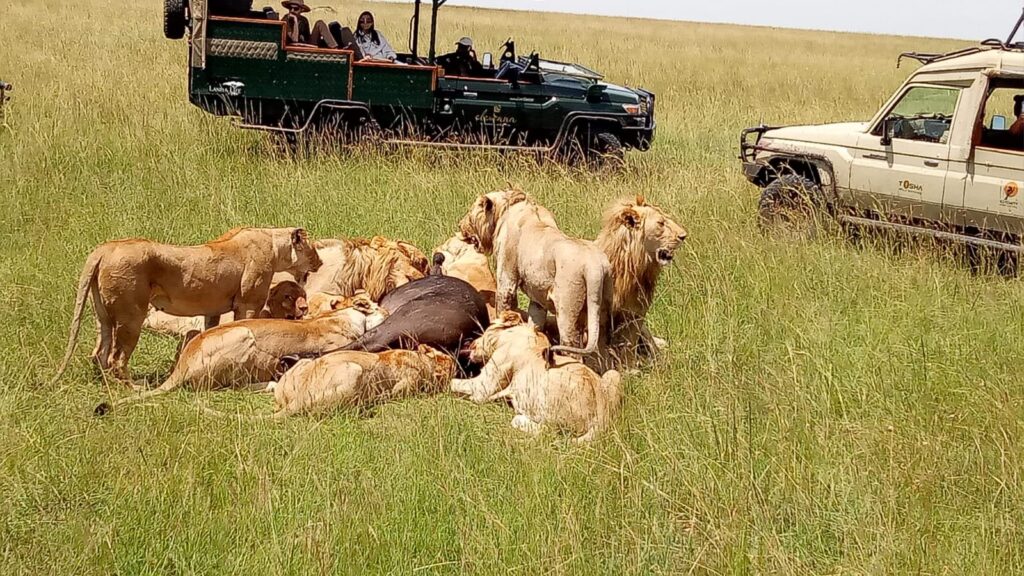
(595, 92)
(488, 61)
(888, 131)
(999, 123)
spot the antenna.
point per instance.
(1020, 22)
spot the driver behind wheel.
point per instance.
(463, 61)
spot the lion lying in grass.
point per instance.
(568, 277)
(545, 389)
(359, 379)
(247, 352)
(232, 273)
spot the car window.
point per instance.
(924, 113)
(1004, 116)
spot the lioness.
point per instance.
(558, 391)
(354, 379)
(570, 278)
(464, 260)
(287, 301)
(246, 352)
(639, 240)
(231, 273)
(378, 266)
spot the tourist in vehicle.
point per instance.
(299, 31)
(463, 61)
(372, 43)
(1017, 128)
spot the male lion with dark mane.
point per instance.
(568, 277)
(639, 240)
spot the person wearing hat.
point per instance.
(298, 27)
(463, 61)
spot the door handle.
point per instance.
(876, 157)
(931, 163)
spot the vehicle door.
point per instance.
(995, 174)
(905, 173)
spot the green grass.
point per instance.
(824, 408)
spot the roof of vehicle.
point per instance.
(1009, 59)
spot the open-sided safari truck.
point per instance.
(240, 64)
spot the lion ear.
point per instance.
(640, 200)
(630, 218)
(335, 303)
(487, 203)
(299, 236)
(511, 318)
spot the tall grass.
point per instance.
(823, 408)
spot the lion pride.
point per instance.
(232, 273)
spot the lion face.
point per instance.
(481, 222)
(483, 347)
(442, 365)
(287, 300)
(659, 235)
(305, 258)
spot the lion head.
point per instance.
(322, 303)
(441, 365)
(287, 300)
(304, 255)
(481, 222)
(639, 239)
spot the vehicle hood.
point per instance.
(819, 134)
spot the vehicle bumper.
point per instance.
(749, 147)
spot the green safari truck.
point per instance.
(241, 65)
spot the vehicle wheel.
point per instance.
(174, 19)
(793, 205)
(606, 149)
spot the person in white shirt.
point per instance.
(372, 43)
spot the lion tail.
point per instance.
(173, 382)
(86, 282)
(596, 305)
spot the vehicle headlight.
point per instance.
(633, 109)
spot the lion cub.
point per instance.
(246, 352)
(357, 379)
(545, 389)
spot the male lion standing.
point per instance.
(230, 274)
(570, 278)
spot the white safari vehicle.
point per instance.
(943, 157)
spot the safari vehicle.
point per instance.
(943, 157)
(241, 65)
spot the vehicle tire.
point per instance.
(606, 149)
(174, 19)
(793, 205)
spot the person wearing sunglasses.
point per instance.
(373, 44)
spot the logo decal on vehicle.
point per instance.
(1011, 190)
(908, 186)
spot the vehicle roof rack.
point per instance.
(989, 44)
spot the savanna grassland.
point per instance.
(824, 408)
